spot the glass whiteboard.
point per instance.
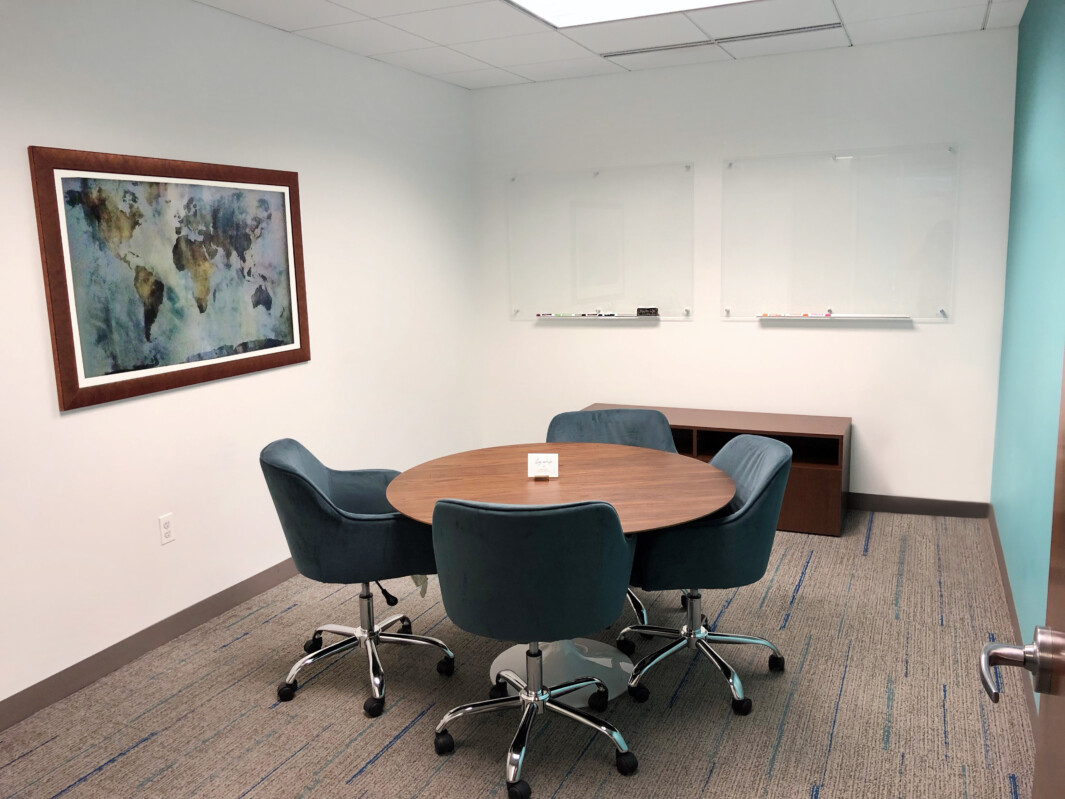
(868, 233)
(603, 241)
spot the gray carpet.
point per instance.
(881, 628)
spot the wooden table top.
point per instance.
(648, 488)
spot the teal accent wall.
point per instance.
(1033, 334)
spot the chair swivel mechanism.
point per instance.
(725, 550)
(341, 529)
(573, 564)
(631, 427)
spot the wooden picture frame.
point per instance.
(162, 273)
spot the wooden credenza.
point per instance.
(816, 496)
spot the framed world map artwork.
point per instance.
(163, 273)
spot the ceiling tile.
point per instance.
(637, 34)
(387, 8)
(534, 48)
(932, 23)
(482, 78)
(862, 10)
(574, 68)
(764, 16)
(789, 43)
(1006, 13)
(673, 57)
(368, 37)
(288, 15)
(432, 61)
(469, 23)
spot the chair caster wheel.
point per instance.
(312, 644)
(741, 707)
(443, 743)
(373, 707)
(518, 790)
(639, 693)
(626, 763)
(446, 666)
(626, 646)
(597, 701)
(776, 663)
(405, 629)
(498, 690)
(286, 690)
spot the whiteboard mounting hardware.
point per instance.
(822, 317)
(621, 317)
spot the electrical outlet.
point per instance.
(166, 528)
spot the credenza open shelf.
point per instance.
(815, 499)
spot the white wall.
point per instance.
(413, 353)
(386, 179)
(922, 399)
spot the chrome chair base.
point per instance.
(695, 634)
(640, 611)
(372, 635)
(637, 607)
(534, 699)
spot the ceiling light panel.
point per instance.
(566, 13)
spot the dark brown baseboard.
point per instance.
(51, 689)
(1018, 636)
(918, 506)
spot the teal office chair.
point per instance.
(341, 529)
(532, 574)
(631, 427)
(725, 550)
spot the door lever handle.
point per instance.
(1044, 658)
(1003, 655)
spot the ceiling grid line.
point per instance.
(843, 23)
(479, 44)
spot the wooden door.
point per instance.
(1050, 732)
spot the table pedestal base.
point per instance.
(567, 660)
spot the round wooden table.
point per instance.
(648, 488)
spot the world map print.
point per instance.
(166, 273)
